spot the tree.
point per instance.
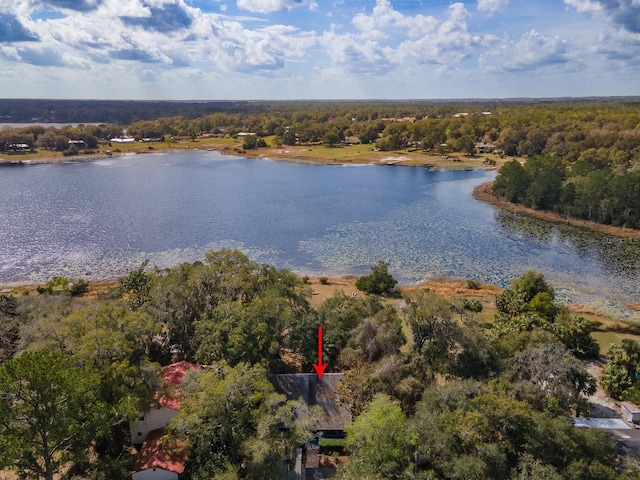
(233, 422)
(50, 413)
(575, 334)
(550, 379)
(9, 327)
(546, 174)
(379, 281)
(136, 287)
(512, 182)
(331, 138)
(379, 441)
(429, 317)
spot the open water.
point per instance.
(102, 218)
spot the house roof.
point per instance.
(158, 452)
(311, 391)
(173, 375)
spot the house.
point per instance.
(312, 391)
(485, 147)
(122, 140)
(168, 405)
(159, 460)
(630, 412)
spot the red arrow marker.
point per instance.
(319, 367)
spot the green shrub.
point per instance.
(56, 285)
(324, 280)
(379, 281)
(79, 287)
(473, 285)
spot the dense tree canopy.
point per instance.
(462, 399)
(50, 413)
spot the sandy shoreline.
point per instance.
(484, 192)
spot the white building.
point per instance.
(157, 458)
(630, 412)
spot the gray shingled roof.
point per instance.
(307, 387)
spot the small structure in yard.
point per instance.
(630, 412)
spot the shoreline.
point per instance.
(299, 154)
(484, 193)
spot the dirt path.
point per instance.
(602, 406)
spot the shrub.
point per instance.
(473, 285)
(379, 281)
(56, 285)
(79, 287)
(324, 280)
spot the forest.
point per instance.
(434, 390)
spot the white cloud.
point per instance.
(160, 34)
(624, 13)
(449, 43)
(387, 39)
(356, 54)
(533, 51)
(492, 6)
(270, 6)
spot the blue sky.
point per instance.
(316, 49)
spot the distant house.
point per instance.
(122, 140)
(630, 412)
(159, 460)
(168, 405)
(19, 146)
(485, 147)
(79, 143)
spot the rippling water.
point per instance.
(98, 219)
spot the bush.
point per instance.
(324, 280)
(56, 285)
(473, 285)
(379, 281)
(80, 287)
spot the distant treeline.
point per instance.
(119, 112)
(603, 130)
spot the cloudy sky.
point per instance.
(299, 49)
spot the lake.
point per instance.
(100, 219)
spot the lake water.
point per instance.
(99, 219)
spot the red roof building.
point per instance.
(159, 459)
(169, 403)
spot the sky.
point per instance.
(316, 49)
